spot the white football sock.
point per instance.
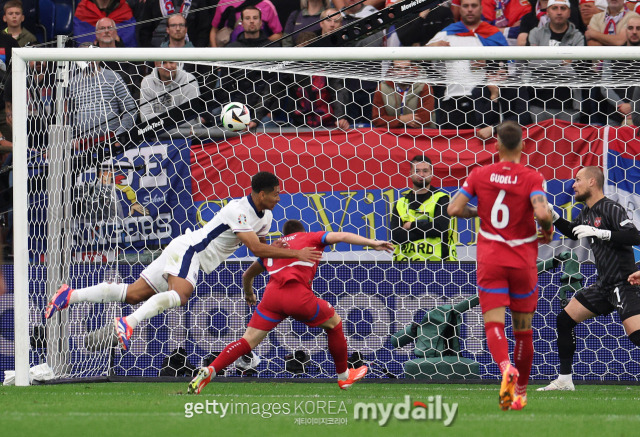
(154, 306)
(103, 292)
(343, 376)
(565, 378)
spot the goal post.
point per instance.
(333, 180)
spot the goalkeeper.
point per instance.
(611, 235)
(169, 281)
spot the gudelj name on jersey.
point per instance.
(503, 179)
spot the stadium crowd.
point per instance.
(315, 101)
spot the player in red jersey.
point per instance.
(509, 195)
(289, 294)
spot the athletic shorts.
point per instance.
(297, 301)
(174, 260)
(600, 299)
(516, 288)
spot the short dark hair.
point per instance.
(292, 226)
(264, 181)
(421, 158)
(250, 8)
(13, 4)
(595, 172)
(509, 134)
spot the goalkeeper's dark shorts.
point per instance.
(291, 300)
(603, 299)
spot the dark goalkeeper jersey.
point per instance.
(614, 262)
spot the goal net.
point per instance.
(124, 152)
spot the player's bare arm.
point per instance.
(634, 278)
(247, 282)
(357, 240)
(458, 207)
(262, 250)
(544, 216)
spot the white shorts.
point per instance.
(178, 259)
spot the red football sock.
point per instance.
(497, 344)
(229, 354)
(522, 358)
(337, 347)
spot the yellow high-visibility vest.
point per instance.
(428, 248)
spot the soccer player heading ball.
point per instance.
(611, 235)
(509, 195)
(169, 281)
(289, 294)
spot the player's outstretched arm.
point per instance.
(562, 225)
(357, 240)
(262, 250)
(458, 207)
(247, 282)
(543, 215)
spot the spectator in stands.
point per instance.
(259, 90)
(608, 28)
(155, 14)
(465, 103)
(330, 24)
(14, 16)
(538, 17)
(505, 15)
(130, 72)
(309, 13)
(99, 105)
(588, 8)
(319, 100)
(633, 5)
(88, 12)
(398, 104)
(166, 87)
(177, 31)
(557, 102)
(420, 226)
(624, 99)
(252, 35)
(227, 22)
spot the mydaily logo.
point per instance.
(434, 409)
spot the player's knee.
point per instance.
(564, 321)
(635, 337)
(332, 322)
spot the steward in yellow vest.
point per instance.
(432, 236)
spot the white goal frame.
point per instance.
(22, 56)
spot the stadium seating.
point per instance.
(56, 18)
(48, 18)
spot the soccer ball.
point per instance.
(235, 117)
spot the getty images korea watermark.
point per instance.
(320, 412)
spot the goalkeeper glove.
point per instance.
(584, 231)
(554, 215)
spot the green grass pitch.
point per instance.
(159, 409)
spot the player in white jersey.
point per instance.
(169, 281)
